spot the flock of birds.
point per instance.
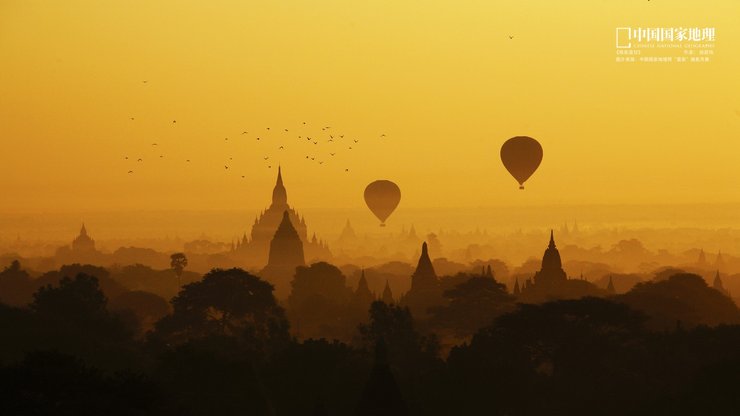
(320, 146)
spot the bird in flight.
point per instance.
(268, 128)
(356, 140)
(226, 138)
(266, 157)
(286, 129)
(382, 135)
(243, 176)
(145, 81)
(315, 142)
(304, 122)
(244, 132)
(132, 118)
(188, 160)
(126, 157)
(512, 37)
(350, 148)
(346, 170)
(174, 121)
(331, 154)
(139, 160)
(321, 163)
(226, 167)
(281, 147)
(161, 156)
(258, 138)
(131, 171)
(154, 144)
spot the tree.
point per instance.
(319, 301)
(684, 298)
(231, 303)
(472, 305)
(178, 263)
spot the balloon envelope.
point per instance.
(521, 156)
(382, 197)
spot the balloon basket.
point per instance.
(382, 224)
(521, 187)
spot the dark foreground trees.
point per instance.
(224, 350)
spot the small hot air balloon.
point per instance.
(521, 156)
(382, 197)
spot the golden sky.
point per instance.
(442, 79)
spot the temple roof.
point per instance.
(286, 229)
(424, 268)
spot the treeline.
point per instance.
(223, 346)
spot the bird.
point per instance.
(266, 157)
(226, 138)
(330, 140)
(131, 171)
(268, 128)
(244, 132)
(258, 138)
(269, 166)
(145, 81)
(226, 167)
(132, 118)
(126, 157)
(321, 163)
(331, 154)
(306, 157)
(304, 122)
(154, 144)
(512, 37)
(139, 160)
(174, 121)
(161, 156)
(346, 170)
(243, 176)
(281, 147)
(286, 129)
(341, 136)
(315, 142)
(331, 137)
(313, 158)
(188, 160)
(350, 148)
(382, 135)
(356, 140)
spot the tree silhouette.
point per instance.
(225, 303)
(472, 305)
(178, 263)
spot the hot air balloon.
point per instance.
(382, 197)
(521, 156)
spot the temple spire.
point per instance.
(552, 240)
(279, 194)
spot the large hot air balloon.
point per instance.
(521, 156)
(382, 197)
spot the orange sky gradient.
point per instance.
(441, 79)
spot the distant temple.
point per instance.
(552, 272)
(83, 243)
(425, 287)
(717, 284)
(82, 250)
(256, 248)
(551, 282)
(285, 254)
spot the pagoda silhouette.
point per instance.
(286, 253)
(254, 249)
